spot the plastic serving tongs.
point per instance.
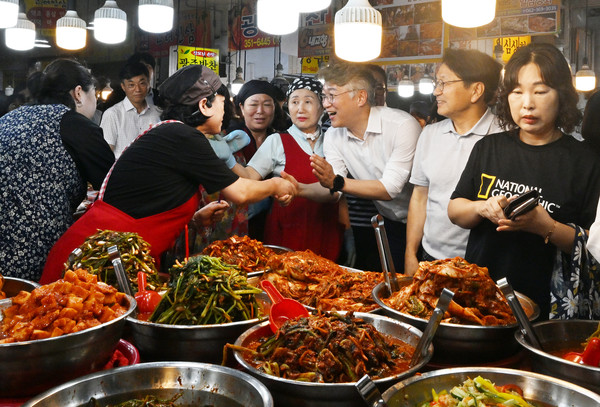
(387, 264)
(524, 324)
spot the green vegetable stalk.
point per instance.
(203, 291)
(135, 255)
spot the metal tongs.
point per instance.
(524, 324)
(387, 263)
(115, 258)
(436, 317)
(369, 392)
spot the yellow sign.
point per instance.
(310, 65)
(510, 45)
(198, 56)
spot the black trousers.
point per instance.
(367, 252)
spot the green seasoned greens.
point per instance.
(135, 255)
(203, 291)
(148, 401)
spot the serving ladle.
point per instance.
(282, 308)
(387, 263)
(524, 324)
(369, 392)
(432, 326)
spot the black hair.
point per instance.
(34, 84)
(60, 77)
(474, 66)
(555, 73)
(131, 70)
(143, 57)
(190, 115)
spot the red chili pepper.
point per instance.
(574, 357)
(147, 301)
(591, 353)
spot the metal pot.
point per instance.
(292, 393)
(465, 344)
(199, 383)
(536, 387)
(558, 335)
(13, 286)
(194, 343)
(28, 368)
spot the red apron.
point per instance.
(159, 230)
(304, 224)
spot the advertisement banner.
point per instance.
(315, 40)
(244, 32)
(310, 65)
(44, 13)
(198, 56)
(510, 45)
(192, 29)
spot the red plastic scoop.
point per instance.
(282, 308)
(146, 300)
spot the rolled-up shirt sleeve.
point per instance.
(396, 172)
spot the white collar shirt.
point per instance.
(385, 153)
(122, 124)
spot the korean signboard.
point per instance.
(244, 32)
(198, 56)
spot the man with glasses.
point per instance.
(129, 118)
(466, 85)
(374, 144)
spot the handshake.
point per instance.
(225, 146)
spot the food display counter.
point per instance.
(164, 351)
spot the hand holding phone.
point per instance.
(522, 204)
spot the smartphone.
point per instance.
(522, 204)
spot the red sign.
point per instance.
(244, 33)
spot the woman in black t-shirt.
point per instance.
(537, 102)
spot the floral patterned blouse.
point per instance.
(48, 154)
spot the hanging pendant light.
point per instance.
(21, 37)
(406, 87)
(238, 82)
(426, 85)
(71, 32)
(9, 13)
(468, 13)
(310, 6)
(357, 32)
(277, 17)
(585, 78)
(156, 16)
(110, 23)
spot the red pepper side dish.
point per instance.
(72, 304)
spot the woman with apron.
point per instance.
(153, 189)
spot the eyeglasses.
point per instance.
(439, 84)
(330, 97)
(380, 89)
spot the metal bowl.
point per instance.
(292, 393)
(560, 335)
(199, 383)
(28, 368)
(13, 286)
(536, 387)
(465, 344)
(194, 343)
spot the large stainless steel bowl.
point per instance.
(194, 343)
(13, 286)
(292, 393)
(536, 387)
(199, 383)
(465, 344)
(560, 335)
(28, 368)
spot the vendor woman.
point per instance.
(312, 220)
(153, 189)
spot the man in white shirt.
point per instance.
(375, 144)
(466, 84)
(124, 121)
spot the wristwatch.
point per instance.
(338, 184)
